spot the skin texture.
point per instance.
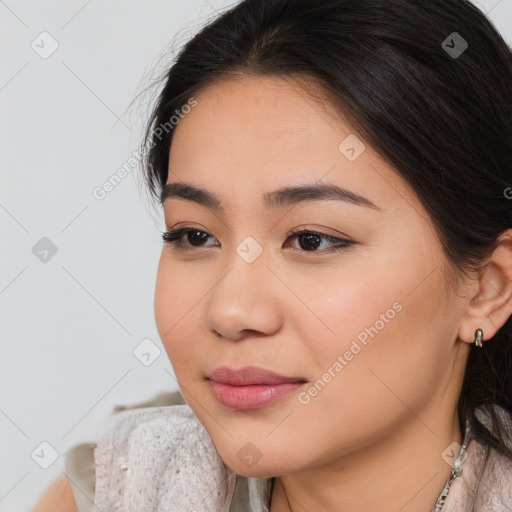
(58, 497)
(372, 438)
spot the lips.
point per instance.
(250, 375)
(250, 387)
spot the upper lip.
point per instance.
(249, 375)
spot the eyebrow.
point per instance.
(280, 198)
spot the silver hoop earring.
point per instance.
(478, 337)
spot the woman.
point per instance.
(335, 287)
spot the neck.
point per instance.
(403, 471)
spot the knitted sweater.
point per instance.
(161, 458)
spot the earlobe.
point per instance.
(491, 305)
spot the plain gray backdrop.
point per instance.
(77, 273)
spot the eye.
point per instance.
(175, 236)
(309, 240)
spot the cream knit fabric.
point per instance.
(162, 459)
(490, 490)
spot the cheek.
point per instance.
(388, 332)
(174, 302)
(370, 290)
(350, 302)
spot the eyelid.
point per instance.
(294, 231)
(319, 231)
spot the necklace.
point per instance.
(456, 471)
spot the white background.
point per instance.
(69, 326)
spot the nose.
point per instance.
(245, 300)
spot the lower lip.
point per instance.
(244, 398)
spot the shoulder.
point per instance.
(160, 455)
(58, 497)
(80, 463)
(484, 484)
(496, 478)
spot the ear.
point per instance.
(490, 304)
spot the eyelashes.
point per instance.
(174, 237)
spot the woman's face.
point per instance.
(369, 330)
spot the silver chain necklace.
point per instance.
(456, 471)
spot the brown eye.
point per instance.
(195, 238)
(309, 241)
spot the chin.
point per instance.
(248, 461)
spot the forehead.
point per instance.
(268, 113)
(250, 135)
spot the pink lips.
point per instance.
(250, 387)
